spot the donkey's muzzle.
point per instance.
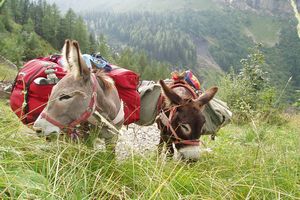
(190, 152)
(44, 128)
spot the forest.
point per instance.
(181, 38)
(30, 29)
(154, 43)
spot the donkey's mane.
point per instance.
(106, 81)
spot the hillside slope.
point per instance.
(206, 39)
(203, 35)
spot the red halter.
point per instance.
(167, 120)
(83, 117)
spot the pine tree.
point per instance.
(81, 34)
(92, 43)
(29, 26)
(33, 47)
(24, 6)
(50, 25)
(70, 23)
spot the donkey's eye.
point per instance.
(186, 128)
(189, 100)
(64, 97)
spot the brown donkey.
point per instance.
(181, 119)
(78, 96)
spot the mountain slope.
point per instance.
(207, 36)
(206, 40)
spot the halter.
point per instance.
(83, 117)
(167, 120)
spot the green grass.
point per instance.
(255, 161)
(209, 76)
(7, 73)
(263, 29)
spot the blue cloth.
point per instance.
(99, 63)
(87, 59)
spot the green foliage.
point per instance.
(285, 59)
(1, 3)
(297, 103)
(25, 24)
(104, 49)
(7, 73)
(149, 69)
(249, 93)
(13, 48)
(22, 35)
(147, 32)
(33, 47)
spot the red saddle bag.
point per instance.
(126, 82)
(28, 99)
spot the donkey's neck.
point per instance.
(108, 102)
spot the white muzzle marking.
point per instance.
(190, 152)
(45, 128)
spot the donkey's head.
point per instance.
(185, 120)
(73, 99)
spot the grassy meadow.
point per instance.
(254, 161)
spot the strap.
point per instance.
(120, 116)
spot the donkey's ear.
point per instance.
(66, 55)
(171, 95)
(207, 96)
(78, 67)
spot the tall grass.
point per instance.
(254, 161)
(7, 73)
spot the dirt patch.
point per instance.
(204, 58)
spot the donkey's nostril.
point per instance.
(38, 131)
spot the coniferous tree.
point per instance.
(24, 6)
(50, 25)
(92, 43)
(81, 34)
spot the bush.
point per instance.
(249, 93)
